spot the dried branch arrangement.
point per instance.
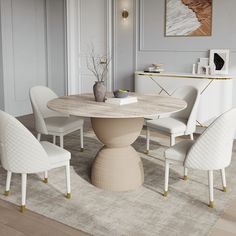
(98, 65)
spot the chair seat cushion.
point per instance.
(55, 154)
(63, 124)
(179, 151)
(170, 125)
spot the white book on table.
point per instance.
(122, 101)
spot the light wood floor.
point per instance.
(14, 223)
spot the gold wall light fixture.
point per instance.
(125, 14)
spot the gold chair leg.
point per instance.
(211, 204)
(165, 194)
(224, 189)
(7, 193)
(45, 180)
(68, 195)
(81, 149)
(22, 209)
(185, 177)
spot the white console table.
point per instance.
(146, 82)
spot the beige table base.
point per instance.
(117, 166)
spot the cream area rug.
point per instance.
(141, 212)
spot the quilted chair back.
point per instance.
(39, 97)
(20, 150)
(192, 96)
(213, 149)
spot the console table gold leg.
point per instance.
(206, 86)
(162, 89)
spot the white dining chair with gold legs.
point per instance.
(180, 123)
(51, 122)
(22, 153)
(211, 151)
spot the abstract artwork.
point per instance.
(188, 17)
(219, 58)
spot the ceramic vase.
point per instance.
(99, 91)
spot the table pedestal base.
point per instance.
(117, 166)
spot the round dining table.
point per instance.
(117, 166)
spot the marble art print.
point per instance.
(188, 17)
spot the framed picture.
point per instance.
(219, 58)
(188, 18)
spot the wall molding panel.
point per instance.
(77, 70)
(22, 68)
(125, 45)
(55, 25)
(30, 55)
(73, 45)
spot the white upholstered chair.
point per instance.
(211, 151)
(22, 153)
(51, 122)
(179, 123)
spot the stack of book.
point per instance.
(122, 101)
(154, 68)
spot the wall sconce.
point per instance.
(125, 14)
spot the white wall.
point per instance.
(56, 40)
(23, 44)
(33, 50)
(124, 48)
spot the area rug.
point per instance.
(141, 212)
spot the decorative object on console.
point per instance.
(98, 65)
(155, 68)
(188, 18)
(219, 59)
(202, 66)
(194, 69)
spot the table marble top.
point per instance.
(84, 105)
